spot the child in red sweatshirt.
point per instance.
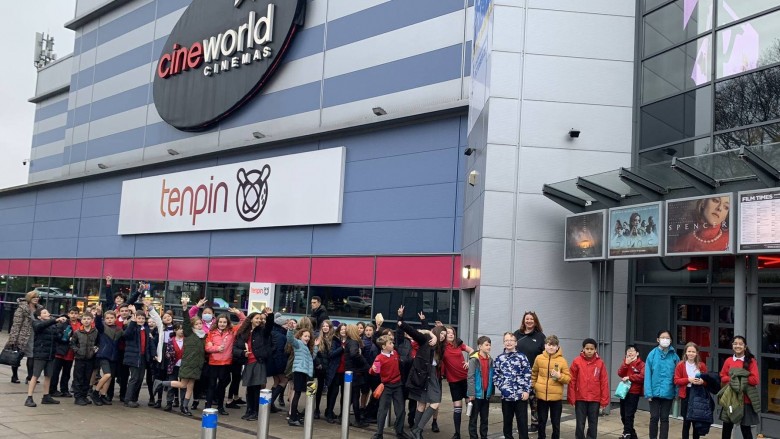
(388, 366)
(588, 389)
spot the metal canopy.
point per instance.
(704, 173)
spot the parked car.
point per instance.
(357, 304)
(45, 292)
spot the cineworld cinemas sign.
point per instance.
(292, 190)
(219, 55)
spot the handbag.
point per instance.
(11, 356)
(622, 389)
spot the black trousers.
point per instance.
(515, 410)
(333, 393)
(122, 376)
(481, 409)
(553, 409)
(628, 406)
(586, 411)
(393, 393)
(172, 391)
(63, 368)
(219, 378)
(659, 414)
(747, 433)
(320, 375)
(82, 372)
(235, 381)
(134, 384)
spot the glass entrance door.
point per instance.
(707, 322)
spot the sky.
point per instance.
(18, 75)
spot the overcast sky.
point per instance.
(17, 75)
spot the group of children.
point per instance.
(205, 354)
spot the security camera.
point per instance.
(24, 162)
(574, 133)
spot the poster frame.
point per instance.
(731, 221)
(661, 230)
(603, 256)
(738, 245)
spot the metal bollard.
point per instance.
(264, 405)
(346, 401)
(208, 424)
(308, 420)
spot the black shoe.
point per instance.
(533, 428)
(157, 404)
(222, 411)
(150, 403)
(96, 399)
(435, 426)
(176, 402)
(80, 401)
(376, 436)
(294, 423)
(105, 400)
(316, 414)
(194, 405)
(239, 401)
(66, 395)
(329, 418)
(456, 436)
(56, 394)
(29, 402)
(168, 407)
(233, 405)
(252, 417)
(15, 379)
(416, 433)
(27, 381)
(359, 423)
(47, 399)
(186, 412)
(132, 404)
(281, 402)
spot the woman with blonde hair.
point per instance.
(21, 332)
(355, 362)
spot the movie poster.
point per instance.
(585, 236)
(634, 231)
(700, 225)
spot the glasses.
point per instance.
(511, 340)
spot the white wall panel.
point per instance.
(508, 29)
(539, 219)
(577, 80)
(496, 266)
(505, 74)
(165, 24)
(580, 35)
(51, 123)
(117, 46)
(540, 265)
(504, 123)
(564, 164)
(493, 314)
(48, 149)
(128, 80)
(498, 220)
(607, 7)
(555, 311)
(117, 123)
(603, 128)
(500, 168)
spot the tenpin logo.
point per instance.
(252, 192)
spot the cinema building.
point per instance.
(380, 153)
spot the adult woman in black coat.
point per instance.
(334, 378)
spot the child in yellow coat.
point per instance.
(548, 375)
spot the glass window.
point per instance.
(650, 4)
(747, 100)
(770, 388)
(175, 290)
(345, 301)
(677, 118)
(665, 154)
(748, 45)
(723, 270)
(725, 335)
(769, 270)
(292, 299)
(770, 338)
(226, 295)
(732, 10)
(676, 70)
(760, 135)
(120, 286)
(434, 304)
(651, 315)
(672, 270)
(694, 313)
(675, 23)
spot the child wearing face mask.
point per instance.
(659, 384)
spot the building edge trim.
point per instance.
(49, 94)
(94, 14)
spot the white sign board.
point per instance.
(261, 295)
(759, 227)
(297, 189)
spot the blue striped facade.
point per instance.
(127, 143)
(403, 195)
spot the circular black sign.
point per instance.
(219, 55)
